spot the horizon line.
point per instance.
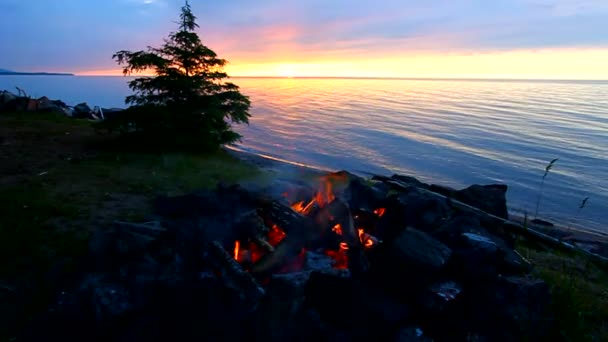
(389, 78)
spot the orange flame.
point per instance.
(380, 212)
(299, 207)
(343, 246)
(337, 229)
(323, 196)
(237, 246)
(366, 240)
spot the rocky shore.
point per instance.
(21, 102)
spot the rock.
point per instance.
(422, 210)
(6, 97)
(512, 309)
(31, 105)
(415, 248)
(363, 196)
(82, 110)
(540, 222)
(46, 105)
(489, 198)
(443, 190)
(354, 306)
(412, 334)
(480, 242)
(410, 181)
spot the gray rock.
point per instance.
(6, 97)
(417, 248)
(46, 105)
(480, 242)
(409, 180)
(422, 210)
(489, 198)
(82, 110)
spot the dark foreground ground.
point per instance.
(59, 181)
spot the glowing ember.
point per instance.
(337, 229)
(366, 240)
(299, 207)
(339, 257)
(275, 235)
(237, 246)
(343, 246)
(380, 212)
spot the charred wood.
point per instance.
(234, 274)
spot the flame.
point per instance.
(323, 196)
(299, 207)
(343, 246)
(380, 212)
(337, 229)
(275, 235)
(366, 240)
(237, 246)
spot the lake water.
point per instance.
(450, 132)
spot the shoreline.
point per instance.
(591, 241)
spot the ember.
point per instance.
(380, 212)
(276, 235)
(237, 246)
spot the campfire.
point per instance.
(336, 230)
(338, 258)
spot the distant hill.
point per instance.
(9, 72)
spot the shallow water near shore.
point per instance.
(450, 132)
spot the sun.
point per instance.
(286, 70)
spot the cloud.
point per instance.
(82, 34)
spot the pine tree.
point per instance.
(187, 101)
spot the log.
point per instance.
(234, 274)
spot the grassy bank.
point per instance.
(60, 180)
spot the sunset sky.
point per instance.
(557, 39)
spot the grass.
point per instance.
(579, 289)
(60, 181)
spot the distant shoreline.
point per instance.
(13, 73)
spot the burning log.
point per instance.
(234, 274)
(357, 261)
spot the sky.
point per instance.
(550, 39)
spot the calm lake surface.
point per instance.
(448, 132)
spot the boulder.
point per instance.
(82, 110)
(415, 248)
(409, 180)
(46, 105)
(6, 97)
(513, 309)
(489, 198)
(422, 210)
